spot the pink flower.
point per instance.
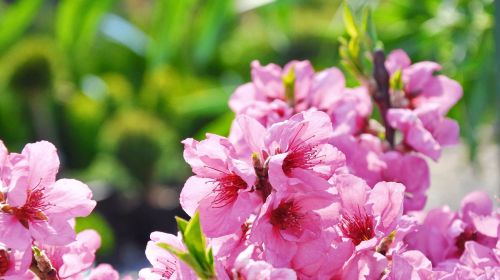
(287, 221)
(35, 204)
(246, 267)
(267, 87)
(424, 129)
(421, 86)
(294, 151)
(442, 235)
(71, 259)
(432, 238)
(419, 109)
(266, 98)
(222, 188)
(164, 265)
(227, 248)
(367, 215)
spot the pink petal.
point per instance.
(194, 191)
(56, 231)
(242, 97)
(267, 80)
(103, 272)
(70, 198)
(43, 163)
(13, 233)
(253, 133)
(327, 84)
(397, 60)
(386, 199)
(218, 221)
(419, 75)
(353, 192)
(81, 253)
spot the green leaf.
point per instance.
(15, 20)
(370, 29)
(77, 21)
(349, 21)
(198, 257)
(181, 224)
(194, 238)
(212, 19)
(171, 22)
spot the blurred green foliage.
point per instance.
(116, 85)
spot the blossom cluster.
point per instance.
(308, 185)
(37, 220)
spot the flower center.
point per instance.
(358, 227)
(32, 210)
(467, 235)
(287, 216)
(303, 156)
(4, 261)
(227, 189)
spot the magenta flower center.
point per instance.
(304, 157)
(32, 210)
(4, 261)
(358, 227)
(227, 189)
(287, 216)
(468, 235)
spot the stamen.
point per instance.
(305, 157)
(358, 227)
(33, 208)
(287, 216)
(227, 189)
(4, 261)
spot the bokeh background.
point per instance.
(116, 85)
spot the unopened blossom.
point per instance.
(35, 205)
(222, 188)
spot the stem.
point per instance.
(380, 92)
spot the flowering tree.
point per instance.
(308, 185)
